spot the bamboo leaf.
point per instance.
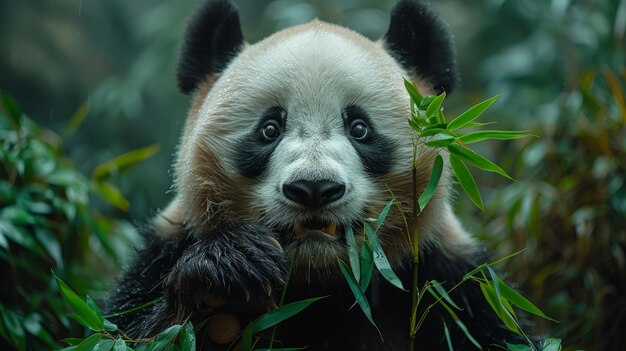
(466, 180)
(413, 92)
(358, 293)
(441, 142)
(120, 345)
(278, 315)
(471, 114)
(380, 259)
(552, 344)
(124, 161)
(86, 313)
(353, 253)
(415, 125)
(76, 120)
(89, 343)
(383, 214)
(433, 181)
(516, 298)
(165, 338)
(111, 194)
(518, 347)
(104, 345)
(367, 265)
(465, 331)
(446, 332)
(435, 106)
(187, 339)
(492, 299)
(492, 134)
(476, 160)
(443, 293)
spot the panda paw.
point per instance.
(240, 266)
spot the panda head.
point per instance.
(305, 131)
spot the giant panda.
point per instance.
(287, 143)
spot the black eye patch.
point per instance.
(256, 147)
(375, 150)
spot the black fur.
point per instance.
(236, 261)
(254, 152)
(418, 39)
(239, 257)
(212, 39)
(376, 151)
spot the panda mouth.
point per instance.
(317, 227)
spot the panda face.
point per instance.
(310, 120)
(305, 132)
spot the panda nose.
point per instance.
(314, 193)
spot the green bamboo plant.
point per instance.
(431, 129)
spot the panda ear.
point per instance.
(212, 39)
(419, 40)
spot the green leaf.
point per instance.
(433, 181)
(506, 305)
(413, 92)
(89, 343)
(187, 339)
(552, 344)
(465, 331)
(518, 347)
(516, 298)
(446, 332)
(358, 293)
(76, 120)
(110, 327)
(165, 338)
(471, 114)
(441, 142)
(72, 341)
(120, 345)
(104, 345)
(367, 265)
(380, 259)
(353, 253)
(111, 194)
(435, 106)
(492, 134)
(434, 131)
(443, 293)
(492, 298)
(476, 160)
(383, 214)
(134, 309)
(11, 110)
(88, 315)
(415, 124)
(466, 180)
(272, 318)
(124, 161)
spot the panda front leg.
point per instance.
(241, 264)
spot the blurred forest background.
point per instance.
(558, 66)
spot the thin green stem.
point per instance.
(415, 251)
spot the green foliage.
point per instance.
(106, 337)
(48, 222)
(271, 319)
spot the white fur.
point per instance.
(314, 72)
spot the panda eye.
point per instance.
(359, 130)
(271, 130)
